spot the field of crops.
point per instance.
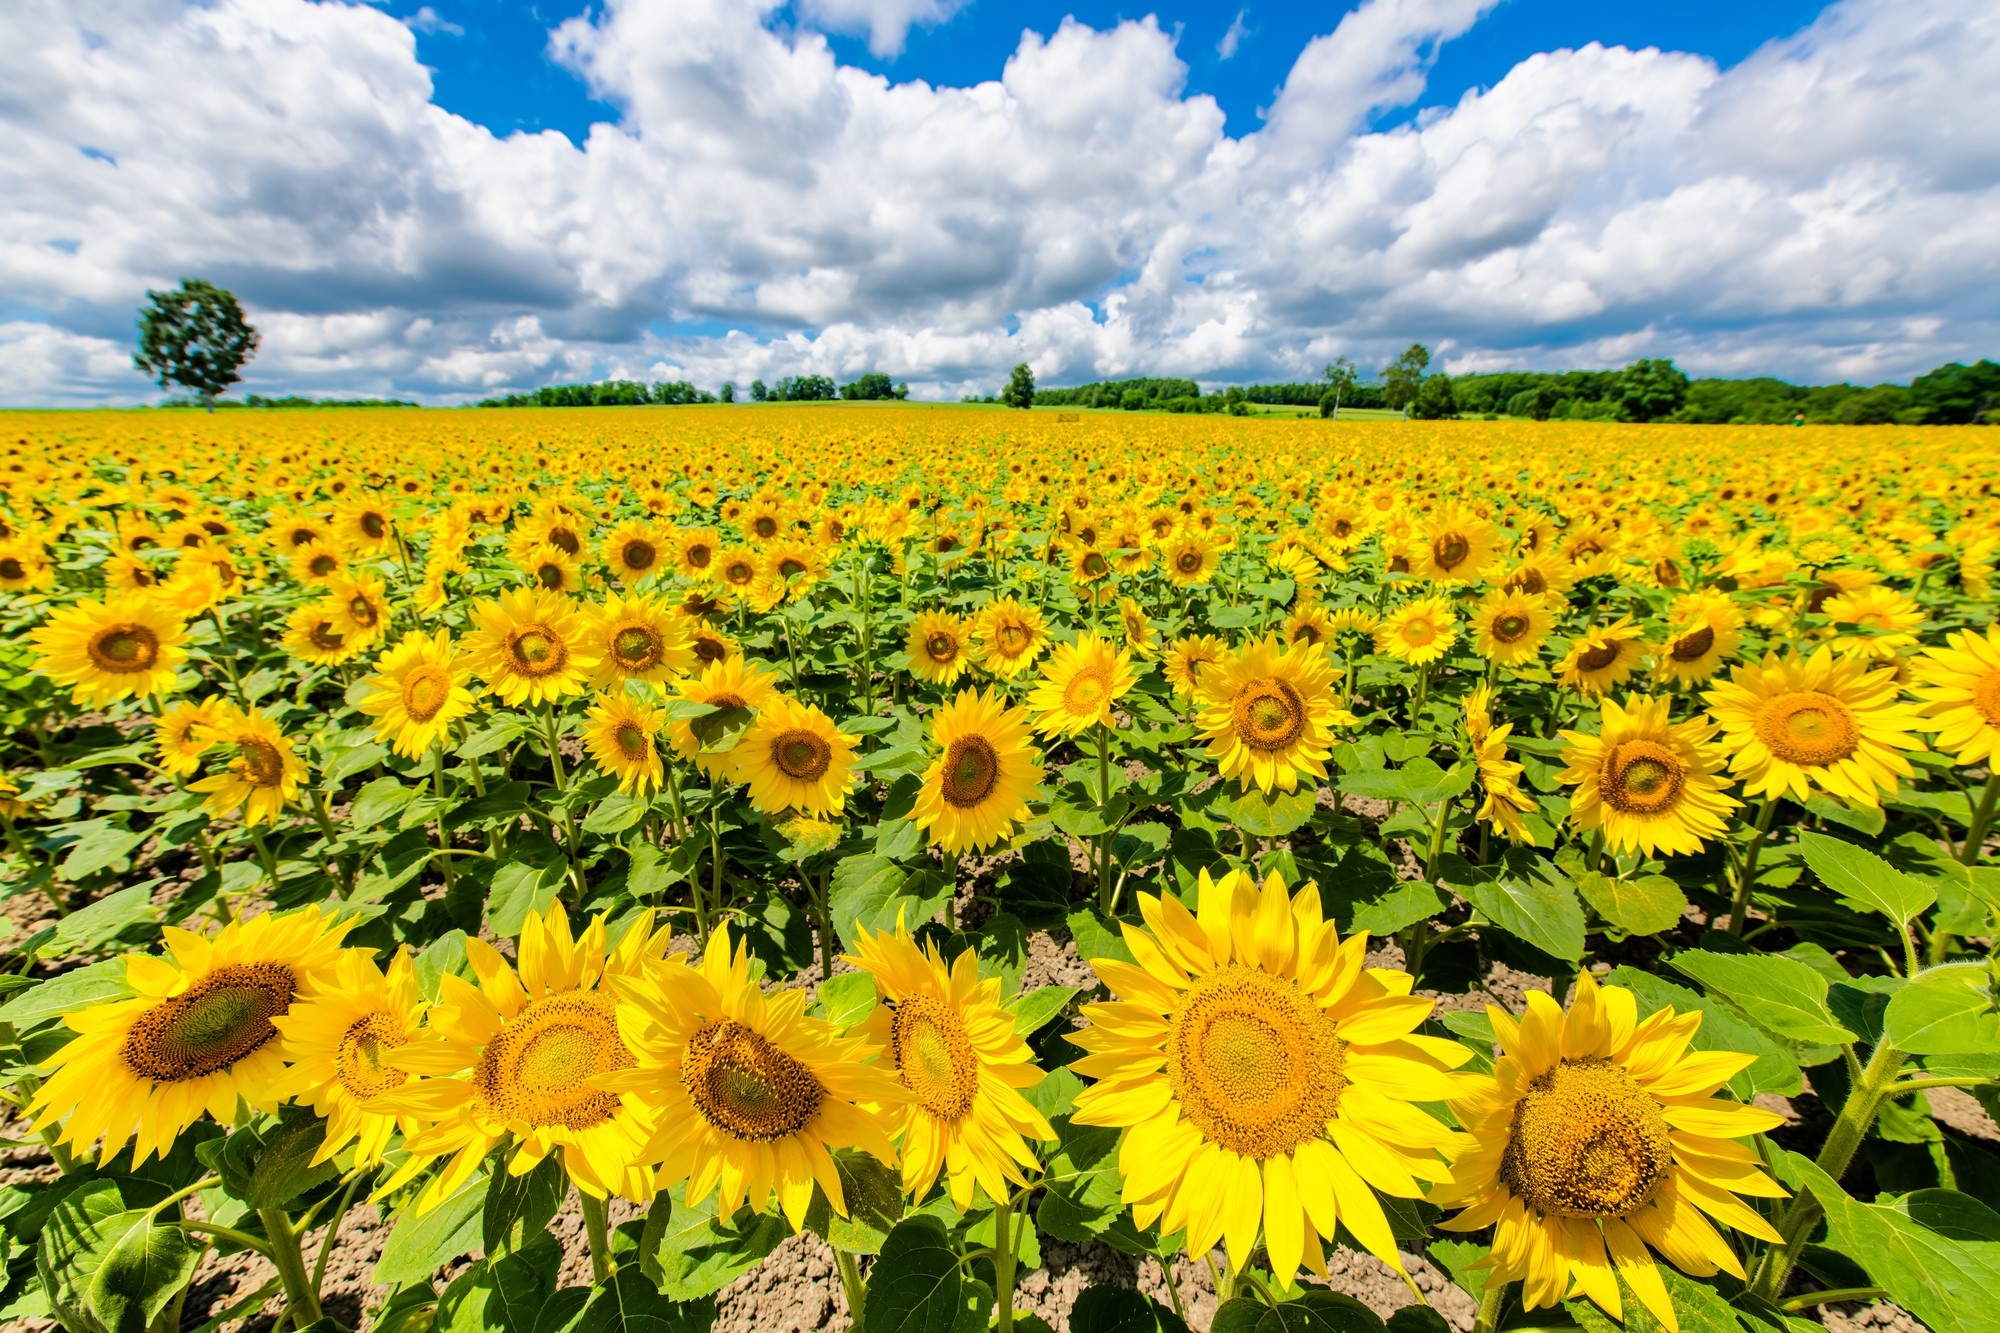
(1552, 854)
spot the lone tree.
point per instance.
(1020, 390)
(1341, 377)
(195, 337)
(1404, 376)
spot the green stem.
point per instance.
(326, 830)
(1919, 1084)
(1491, 1302)
(21, 850)
(301, 1303)
(1877, 1084)
(1813, 1298)
(1746, 877)
(822, 908)
(1982, 820)
(850, 1285)
(228, 661)
(265, 857)
(1102, 854)
(597, 1228)
(333, 1231)
(553, 731)
(1003, 1265)
(241, 1239)
(443, 838)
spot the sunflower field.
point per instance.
(1552, 860)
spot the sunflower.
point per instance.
(263, 777)
(313, 635)
(1008, 637)
(1078, 686)
(1289, 1076)
(196, 1036)
(1508, 626)
(1886, 615)
(937, 645)
(796, 565)
(747, 1090)
(1647, 782)
(24, 566)
(634, 551)
(1591, 1134)
(1602, 657)
(1499, 776)
(315, 565)
(1705, 634)
(1540, 576)
(792, 757)
(1792, 724)
(1960, 684)
(1088, 565)
(129, 573)
(620, 736)
(417, 692)
(696, 552)
(733, 682)
(1455, 547)
(977, 788)
(1188, 659)
(360, 607)
(738, 567)
(531, 646)
(288, 532)
(185, 731)
(519, 1057)
(364, 527)
(637, 637)
(709, 645)
(1139, 635)
(1267, 713)
(1189, 558)
(552, 569)
(954, 1049)
(108, 650)
(336, 1040)
(1419, 631)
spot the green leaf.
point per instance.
(284, 1167)
(1315, 1311)
(615, 813)
(97, 984)
(717, 731)
(874, 1197)
(871, 890)
(501, 732)
(1038, 1006)
(1868, 819)
(144, 1266)
(1722, 1029)
(1859, 876)
(1110, 1309)
(1540, 908)
(83, 930)
(102, 848)
(916, 1285)
(1097, 937)
(1946, 1011)
(379, 802)
(1272, 814)
(518, 1208)
(697, 1254)
(629, 1303)
(518, 889)
(847, 998)
(1408, 903)
(1933, 1273)
(1083, 1182)
(1419, 782)
(1779, 994)
(525, 1277)
(422, 1243)
(1643, 906)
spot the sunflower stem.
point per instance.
(227, 658)
(1746, 878)
(824, 911)
(1857, 1115)
(851, 1285)
(325, 821)
(597, 1228)
(333, 1231)
(553, 729)
(443, 838)
(1982, 820)
(1492, 1301)
(1003, 1264)
(301, 1303)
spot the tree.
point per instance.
(1652, 390)
(728, 394)
(1341, 377)
(758, 393)
(195, 337)
(1402, 377)
(872, 386)
(1955, 394)
(1020, 390)
(1434, 400)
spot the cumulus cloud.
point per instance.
(1817, 210)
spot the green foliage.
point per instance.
(1020, 390)
(194, 336)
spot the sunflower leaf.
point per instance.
(1946, 1011)
(100, 983)
(917, 1286)
(1643, 906)
(1539, 907)
(422, 1243)
(1779, 994)
(1315, 1311)
(1860, 876)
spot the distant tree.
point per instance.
(1956, 394)
(1020, 390)
(728, 394)
(1652, 390)
(1435, 400)
(196, 337)
(758, 393)
(1132, 400)
(902, 391)
(870, 387)
(1879, 406)
(1341, 377)
(1402, 377)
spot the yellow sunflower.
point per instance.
(109, 650)
(314, 634)
(1309, 623)
(938, 647)
(337, 1040)
(737, 567)
(1419, 631)
(635, 551)
(733, 682)
(1268, 713)
(696, 552)
(747, 1090)
(1705, 634)
(359, 605)
(1599, 1142)
(1499, 776)
(518, 1058)
(953, 1046)
(1188, 659)
(1189, 558)
(1602, 657)
(1456, 546)
(637, 637)
(196, 1036)
(531, 646)
(1792, 724)
(1508, 626)
(552, 569)
(1649, 783)
(1261, 1073)
(977, 788)
(316, 565)
(365, 527)
(1078, 686)
(1139, 636)
(418, 690)
(1540, 575)
(619, 736)
(185, 731)
(792, 757)
(263, 777)
(1886, 616)
(1008, 637)
(1960, 684)
(24, 566)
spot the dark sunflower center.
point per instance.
(1095, 565)
(1450, 550)
(934, 1057)
(745, 1086)
(211, 1025)
(324, 635)
(1254, 1063)
(764, 526)
(971, 768)
(708, 648)
(1642, 778)
(637, 648)
(1188, 562)
(941, 647)
(1693, 647)
(362, 612)
(565, 540)
(1510, 628)
(11, 568)
(632, 740)
(125, 648)
(1598, 658)
(802, 755)
(639, 555)
(374, 525)
(537, 1068)
(1529, 581)
(699, 556)
(323, 564)
(358, 1060)
(425, 691)
(550, 575)
(535, 651)
(1270, 716)
(258, 762)
(1586, 1142)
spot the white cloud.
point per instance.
(1821, 209)
(427, 19)
(1233, 37)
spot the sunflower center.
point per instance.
(212, 1024)
(1586, 1142)
(1598, 658)
(639, 555)
(1693, 646)
(765, 526)
(1013, 638)
(125, 648)
(941, 647)
(1188, 562)
(373, 524)
(300, 536)
(1642, 778)
(739, 571)
(324, 635)
(258, 762)
(565, 540)
(534, 651)
(707, 648)
(791, 567)
(1419, 632)
(1450, 550)
(1529, 581)
(1254, 1063)
(632, 741)
(802, 755)
(549, 575)
(1510, 628)
(362, 612)
(12, 568)
(699, 556)
(1095, 565)
(971, 768)
(746, 1087)
(323, 564)
(358, 1060)
(425, 691)
(934, 1055)
(1809, 728)
(1986, 697)
(1270, 716)
(637, 648)
(537, 1068)
(1085, 692)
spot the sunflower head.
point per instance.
(418, 690)
(1419, 631)
(113, 649)
(637, 637)
(1188, 658)
(1960, 685)
(1009, 636)
(620, 739)
(792, 757)
(1079, 686)
(1793, 724)
(977, 789)
(531, 646)
(1267, 713)
(939, 647)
